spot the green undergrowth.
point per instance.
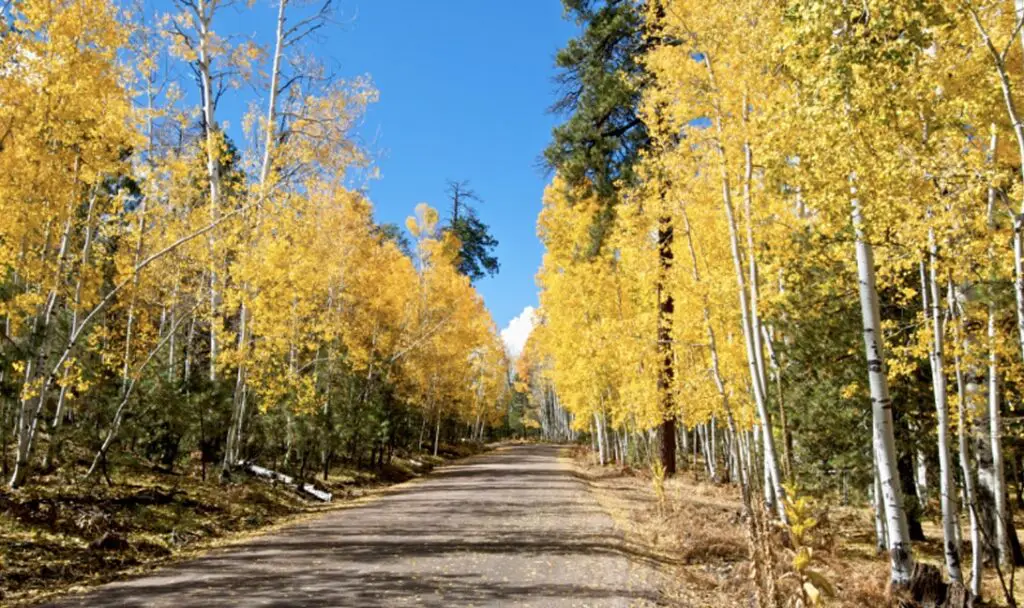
(58, 534)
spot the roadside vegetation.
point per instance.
(698, 535)
(194, 290)
(784, 247)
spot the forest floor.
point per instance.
(700, 536)
(57, 535)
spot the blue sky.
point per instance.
(464, 91)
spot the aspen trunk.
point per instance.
(238, 400)
(881, 538)
(881, 405)
(747, 323)
(437, 432)
(730, 464)
(970, 496)
(604, 435)
(1002, 519)
(999, 65)
(947, 490)
(712, 441)
(275, 75)
(787, 437)
(423, 432)
(31, 405)
(747, 456)
(58, 416)
(772, 480)
(753, 278)
(600, 440)
(204, 65)
(709, 452)
(921, 476)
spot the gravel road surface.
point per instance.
(512, 527)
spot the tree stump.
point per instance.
(959, 596)
(928, 590)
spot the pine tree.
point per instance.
(476, 245)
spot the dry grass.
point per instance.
(700, 536)
(696, 536)
(857, 561)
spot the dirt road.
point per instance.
(510, 528)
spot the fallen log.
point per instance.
(303, 488)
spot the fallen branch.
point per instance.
(305, 488)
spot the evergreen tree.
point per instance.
(600, 80)
(476, 244)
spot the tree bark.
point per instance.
(881, 405)
(1002, 519)
(666, 309)
(881, 538)
(947, 491)
(205, 10)
(970, 495)
(600, 440)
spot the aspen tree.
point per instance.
(51, 164)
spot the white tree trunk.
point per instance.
(921, 477)
(881, 538)
(600, 440)
(1005, 85)
(970, 496)
(204, 65)
(755, 317)
(881, 405)
(709, 462)
(947, 491)
(712, 440)
(437, 431)
(275, 75)
(995, 436)
(238, 400)
(76, 306)
(32, 406)
(305, 488)
(752, 342)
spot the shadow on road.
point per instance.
(512, 528)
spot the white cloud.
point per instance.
(518, 330)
